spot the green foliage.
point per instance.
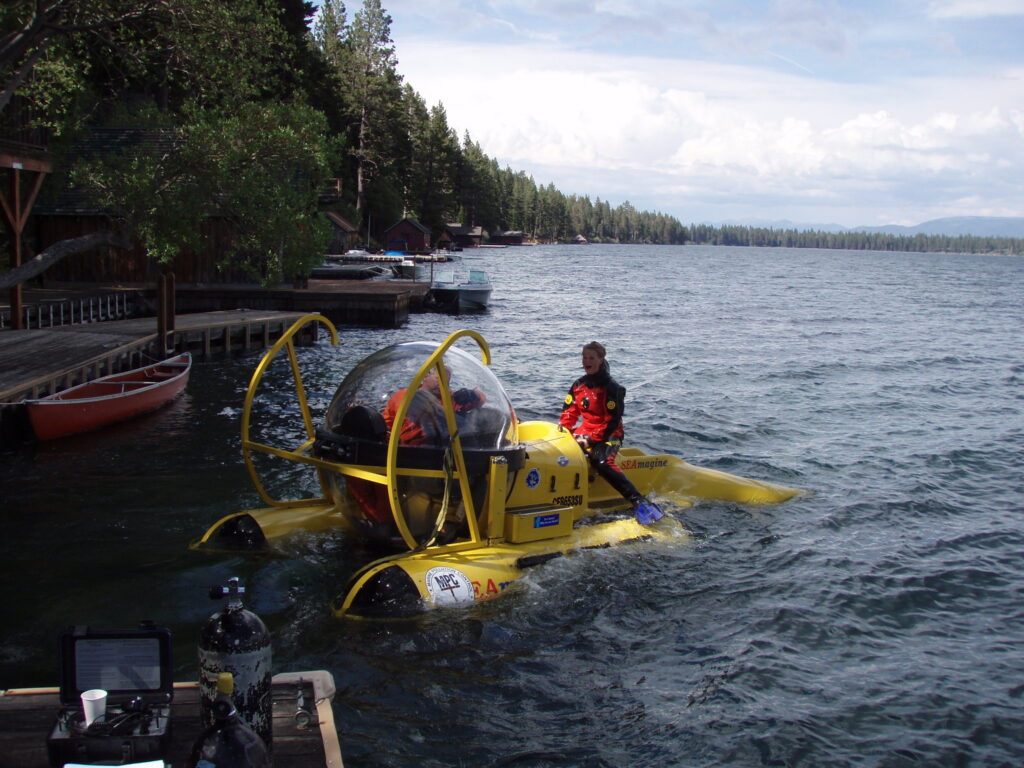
(329, 34)
(258, 167)
(216, 130)
(262, 166)
(75, 60)
(371, 89)
(136, 188)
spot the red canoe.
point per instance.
(109, 399)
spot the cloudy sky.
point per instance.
(853, 112)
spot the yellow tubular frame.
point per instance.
(436, 361)
(392, 471)
(248, 445)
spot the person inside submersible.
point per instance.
(424, 425)
(593, 413)
(425, 421)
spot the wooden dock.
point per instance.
(305, 734)
(210, 321)
(39, 362)
(379, 303)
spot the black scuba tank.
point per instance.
(236, 640)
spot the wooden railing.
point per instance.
(91, 309)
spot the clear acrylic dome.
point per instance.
(484, 415)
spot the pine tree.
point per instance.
(373, 90)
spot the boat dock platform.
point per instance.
(379, 303)
(106, 335)
(387, 258)
(304, 731)
(40, 361)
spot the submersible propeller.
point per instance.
(236, 640)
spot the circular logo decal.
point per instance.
(448, 586)
(563, 461)
(533, 478)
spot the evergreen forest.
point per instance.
(248, 110)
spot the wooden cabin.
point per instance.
(69, 214)
(511, 237)
(407, 235)
(344, 236)
(464, 237)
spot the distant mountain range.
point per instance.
(982, 226)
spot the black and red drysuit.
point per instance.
(596, 401)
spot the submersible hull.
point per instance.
(469, 514)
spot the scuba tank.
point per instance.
(228, 743)
(236, 640)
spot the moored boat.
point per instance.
(406, 269)
(329, 271)
(109, 399)
(463, 496)
(451, 294)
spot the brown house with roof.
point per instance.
(464, 237)
(407, 235)
(70, 214)
(511, 237)
(344, 236)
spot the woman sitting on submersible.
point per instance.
(596, 400)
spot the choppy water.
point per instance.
(877, 621)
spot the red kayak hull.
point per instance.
(109, 399)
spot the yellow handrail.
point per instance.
(392, 471)
(248, 445)
(436, 360)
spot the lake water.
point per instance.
(876, 621)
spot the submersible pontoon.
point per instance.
(470, 504)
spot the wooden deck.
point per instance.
(39, 362)
(380, 303)
(211, 321)
(28, 715)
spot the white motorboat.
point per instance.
(332, 271)
(451, 294)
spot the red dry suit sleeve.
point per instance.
(570, 409)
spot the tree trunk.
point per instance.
(360, 160)
(42, 261)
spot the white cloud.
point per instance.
(974, 9)
(713, 139)
(571, 109)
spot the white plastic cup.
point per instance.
(94, 704)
